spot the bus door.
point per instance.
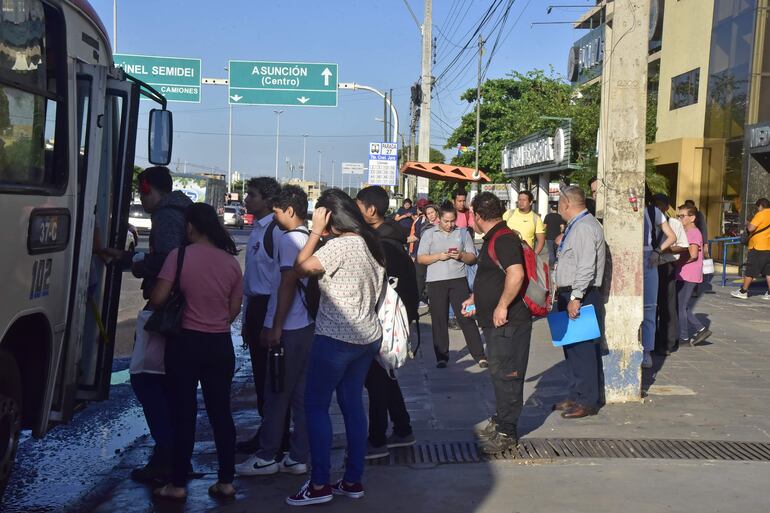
(88, 113)
(113, 199)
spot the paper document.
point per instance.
(566, 331)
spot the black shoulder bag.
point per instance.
(167, 320)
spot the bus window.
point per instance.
(31, 120)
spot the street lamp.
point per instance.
(277, 137)
(304, 155)
(229, 144)
(319, 171)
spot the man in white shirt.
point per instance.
(258, 277)
(288, 334)
(667, 330)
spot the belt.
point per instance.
(569, 289)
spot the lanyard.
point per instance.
(569, 227)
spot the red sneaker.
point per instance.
(354, 491)
(308, 495)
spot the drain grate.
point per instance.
(565, 448)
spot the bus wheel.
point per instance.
(10, 416)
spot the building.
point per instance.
(708, 86)
(310, 188)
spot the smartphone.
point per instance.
(470, 308)
(452, 250)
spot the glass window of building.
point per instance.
(684, 89)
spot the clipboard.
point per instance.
(565, 331)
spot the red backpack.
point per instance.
(537, 278)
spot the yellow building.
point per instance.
(708, 75)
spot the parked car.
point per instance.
(132, 238)
(248, 219)
(233, 217)
(140, 219)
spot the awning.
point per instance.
(442, 172)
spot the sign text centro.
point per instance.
(176, 78)
(283, 83)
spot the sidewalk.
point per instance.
(717, 391)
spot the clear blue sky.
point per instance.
(375, 42)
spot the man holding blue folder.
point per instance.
(578, 276)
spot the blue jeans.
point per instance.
(650, 303)
(336, 365)
(152, 392)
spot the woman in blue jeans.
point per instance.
(351, 271)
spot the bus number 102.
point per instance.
(41, 278)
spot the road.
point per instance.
(62, 468)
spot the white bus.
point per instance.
(68, 122)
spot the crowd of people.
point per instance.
(309, 299)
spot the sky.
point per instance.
(374, 42)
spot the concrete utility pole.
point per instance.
(304, 157)
(427, 83)
(476, 175)
(622, 187)
(277, 138)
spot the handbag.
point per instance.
(167, 320)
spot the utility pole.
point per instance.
(427, 83)
(277, 138)
(230, 149)
(476, 175)
(114, 26)
(304, 156)
(319, 171)
(332, 174)
(622, 163)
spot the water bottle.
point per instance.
(276, 367)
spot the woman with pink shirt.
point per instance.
(212, 285)
(689, 275)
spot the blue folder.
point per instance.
(565, 331)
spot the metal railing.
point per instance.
(725, 242)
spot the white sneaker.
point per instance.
(739, 294)
(290, 466)
(766, 296)
(647, 360)
(257, 467)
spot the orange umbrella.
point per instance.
(443, 172)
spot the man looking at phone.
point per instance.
(505, 319)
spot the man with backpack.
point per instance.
(385, 397)
(498, 302)
(288, 334)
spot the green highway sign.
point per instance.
(178, 79)
(301, 84)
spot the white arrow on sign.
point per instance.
(303, 100)
(236, 98)
(326, 74)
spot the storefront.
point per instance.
(534, 162)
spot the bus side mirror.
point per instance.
(160, 137)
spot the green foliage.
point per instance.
(435, 155)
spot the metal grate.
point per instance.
(565, 448)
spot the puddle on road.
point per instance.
(53, 474)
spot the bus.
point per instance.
(68, 124)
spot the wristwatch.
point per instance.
(575, 296)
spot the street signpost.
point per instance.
(294, 84)
(352, 168)
(177, 78)
(383, 163)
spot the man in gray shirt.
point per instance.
(579, 272)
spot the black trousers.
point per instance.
(385, 398)
(441, 294)
(256, 310)
(193, 356)
(508, 354)
(422, 273)
(584, 358)
(152, 392)
(667, 330)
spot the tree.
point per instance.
(435, 155)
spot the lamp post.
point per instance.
(304, 156)
(277, 138)
(319, 171)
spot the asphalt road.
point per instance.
(56, 473)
